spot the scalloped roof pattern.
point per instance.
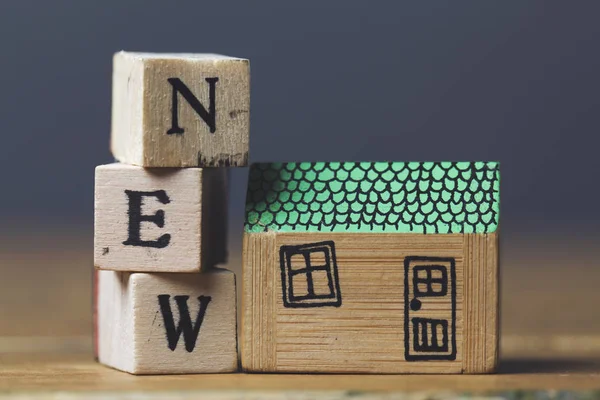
(391, 197)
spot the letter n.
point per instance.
(209, 117)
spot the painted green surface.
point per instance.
(412, 197)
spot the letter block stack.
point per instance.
(161, 304)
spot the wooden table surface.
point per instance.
(550, 332)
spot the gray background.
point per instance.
(514, 81)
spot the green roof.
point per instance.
(398, 197)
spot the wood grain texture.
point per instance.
(481, 303)
(260, 290)
(132, 326)
(194, 218)
(365, 334)
(77, 376)
(142, 111)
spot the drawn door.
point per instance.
(429, 308)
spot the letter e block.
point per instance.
(159, 219)
(166, 323)
(180, 110)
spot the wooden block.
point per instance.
(180, 110)
(159, 220)
(371, 268)
(167, 323)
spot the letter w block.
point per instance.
(159, 219)
(180, 110)
(166, 323)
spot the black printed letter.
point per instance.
(207, 116)
(190, 334)
(136, 218)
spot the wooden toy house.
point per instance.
(382, 267)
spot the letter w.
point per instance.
(190, 334)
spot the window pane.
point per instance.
(437, 288)
(436, 273)
(299, 285)
(421, 273)
(317, 259)
(297, 262)
(321, 283)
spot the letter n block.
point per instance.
(166, 323)
(180, 110)
(159, 219)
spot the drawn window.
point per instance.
(430, 280)
(309, 275)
